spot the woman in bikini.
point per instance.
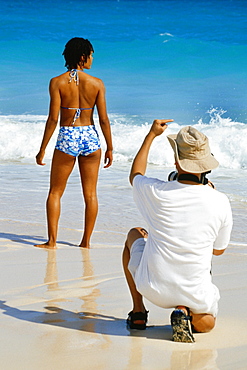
(73, 96)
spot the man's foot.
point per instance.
(137, 320)
(181, 326)
(46, 245)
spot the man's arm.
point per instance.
(218, 252)
(140, 161)
(223, 238)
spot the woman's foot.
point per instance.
(48, 245)
(84, 245)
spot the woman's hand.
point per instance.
(108, 158)
(39, 158)
(159, 126)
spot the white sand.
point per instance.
(66, 308)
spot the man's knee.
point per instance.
(134, 234)
(203, 323)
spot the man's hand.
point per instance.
(159, 126)
(218, 252)
(140, 161)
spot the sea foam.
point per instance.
(21, 136)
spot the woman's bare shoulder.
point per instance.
(59, 79)
(95, 80)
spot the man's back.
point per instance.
(185, 223)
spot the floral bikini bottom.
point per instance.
(78, 140)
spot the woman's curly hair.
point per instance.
(74, 49)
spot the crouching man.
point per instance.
(188, 221)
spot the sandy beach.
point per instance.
(66, 308)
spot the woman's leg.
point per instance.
(89, 169)
(62, 165)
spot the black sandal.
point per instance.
(143, 316)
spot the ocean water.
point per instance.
(158, 59)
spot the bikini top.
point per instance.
(75, 76)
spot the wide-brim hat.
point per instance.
(192, 151)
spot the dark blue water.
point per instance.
(157, 58)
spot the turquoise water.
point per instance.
(157, 58)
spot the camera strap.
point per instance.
(189, 177)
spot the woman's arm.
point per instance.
(51, 123)
(104, 124)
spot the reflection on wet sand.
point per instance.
(52, 282)
(90, 303)
(194, 360)
(51, 270)
(51, 276)
(89, 300)
(136, 354)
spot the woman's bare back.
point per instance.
(78, 95)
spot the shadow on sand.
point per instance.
(85, 321)
(29, 239)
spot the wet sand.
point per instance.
(66, 308)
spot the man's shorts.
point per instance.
(136, 252)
